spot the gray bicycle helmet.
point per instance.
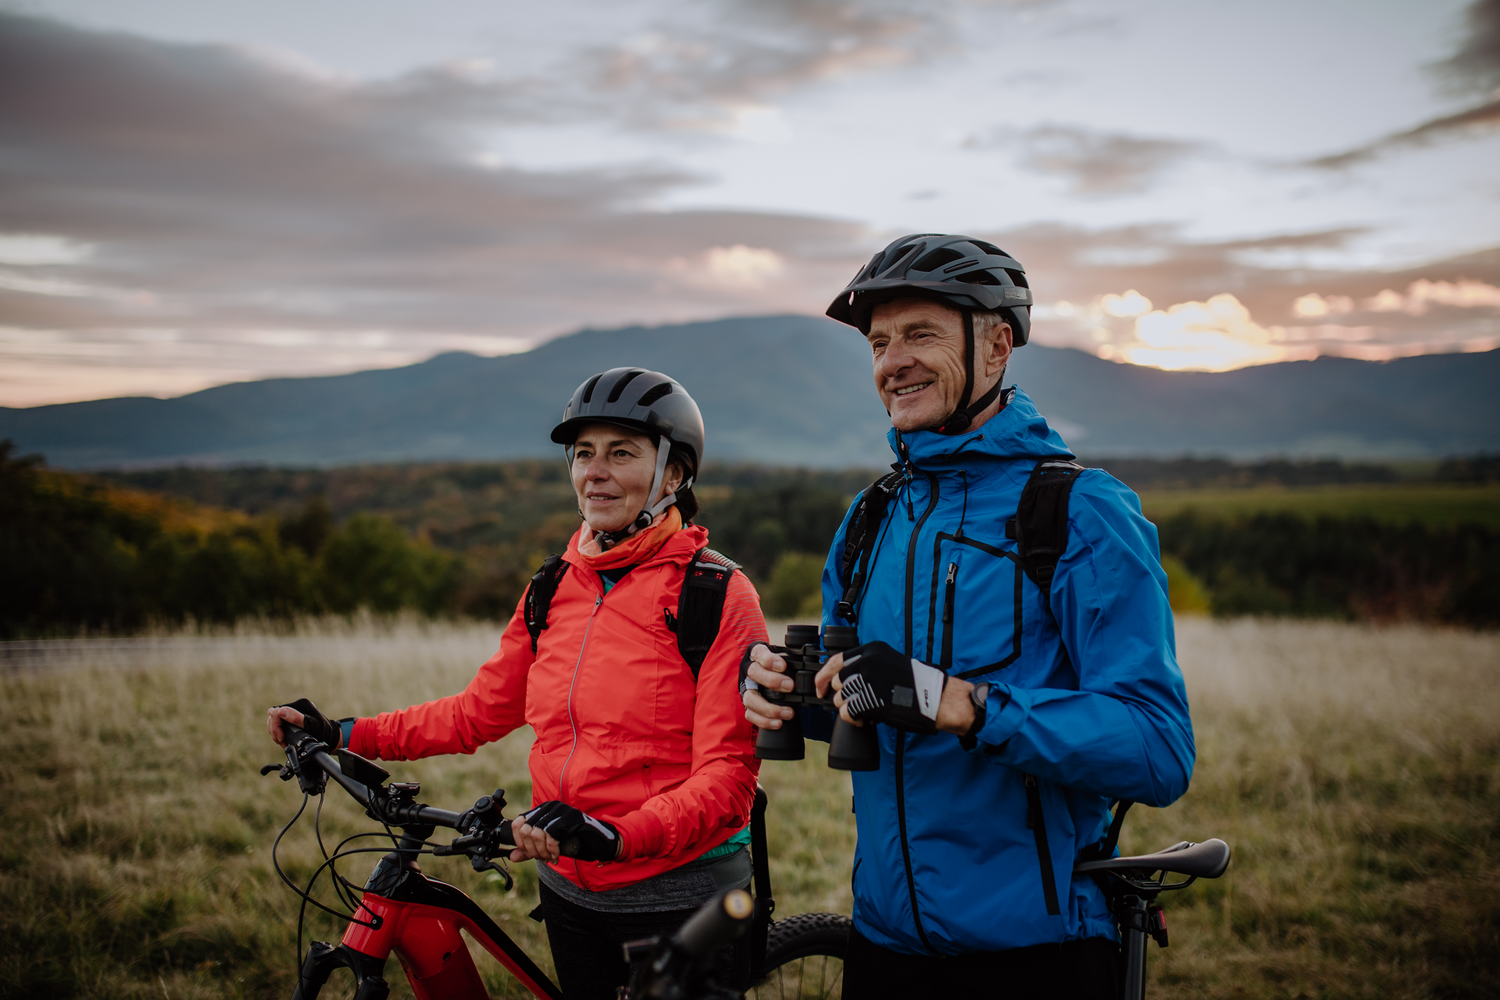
(644, 401)
(961, 271)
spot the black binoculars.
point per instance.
(853, 748)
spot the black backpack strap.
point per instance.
(1040, 527)
(1106, 849)
(859, 540)
(539, 595)
(701, 605)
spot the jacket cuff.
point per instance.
(641, 834)
(363, 739)
(1005, 712)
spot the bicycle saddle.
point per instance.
(1209, 859)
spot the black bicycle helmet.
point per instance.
(644, 401)
(961, 271)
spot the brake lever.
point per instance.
(482, 864)
(296, 752)
(287, 774)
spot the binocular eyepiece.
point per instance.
(853, 748)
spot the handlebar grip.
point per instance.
(720, 920)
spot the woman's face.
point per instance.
(612, 472)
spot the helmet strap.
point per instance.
(960, 419)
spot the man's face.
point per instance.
(918, 351)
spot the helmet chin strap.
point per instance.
(960, 419)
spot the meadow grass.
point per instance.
(1355, 771)
(1436, 505)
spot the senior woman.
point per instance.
(646, 763)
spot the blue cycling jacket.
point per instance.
(1087, 703)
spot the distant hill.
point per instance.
(782, 390)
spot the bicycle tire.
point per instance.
(804, 958)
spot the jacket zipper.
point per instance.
(572, 722)
(911, 884)
(911, 568)
(946, 662)
(1038, 825)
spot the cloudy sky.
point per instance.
(197, 193)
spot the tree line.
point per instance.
(123, 551)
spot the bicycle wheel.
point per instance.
(804, 958)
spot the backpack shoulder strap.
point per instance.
(701, 605)
(539, 595)
(859, 540)
(1040, 527)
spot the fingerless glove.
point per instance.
(578, 834)
(883, 685)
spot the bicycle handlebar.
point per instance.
(394, 805)
(722, 919)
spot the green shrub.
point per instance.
(1185, 592)
(794, 588)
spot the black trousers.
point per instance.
(586, 945)
(1076, 970)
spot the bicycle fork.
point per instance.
(426, 941)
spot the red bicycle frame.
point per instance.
(420, 919)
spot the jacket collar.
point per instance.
(677, 549)
(1017, 431)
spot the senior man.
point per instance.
(1012, 712)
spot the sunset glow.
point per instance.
(1217, 335)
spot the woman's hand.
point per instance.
(555, 829)
(304, 715)
(533, 843)
(768, 670)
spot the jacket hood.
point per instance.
(1017, 431)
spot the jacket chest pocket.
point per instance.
(974, 618)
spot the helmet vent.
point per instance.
(905, 252)
(989, 248)
(588, 390)
(1018, 277)
(626, 379)
(654, 393)
(979, 278)
(936, 259)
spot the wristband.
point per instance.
(979, 696)
(746, 684)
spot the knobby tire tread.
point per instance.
(805, 936)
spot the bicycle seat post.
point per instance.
(1133, 916)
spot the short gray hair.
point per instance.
(985, 323)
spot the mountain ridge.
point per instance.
(782, 390)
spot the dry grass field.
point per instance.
(1355, 771)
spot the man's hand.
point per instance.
(874, 698)
(305, 715)
(768, 670)
(554, 829)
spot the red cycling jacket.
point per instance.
(622, 730)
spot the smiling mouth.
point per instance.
(908, 390)
(596, 497)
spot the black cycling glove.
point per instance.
(578, 834)
(316, 723)
(746, 684)
(883, 685)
